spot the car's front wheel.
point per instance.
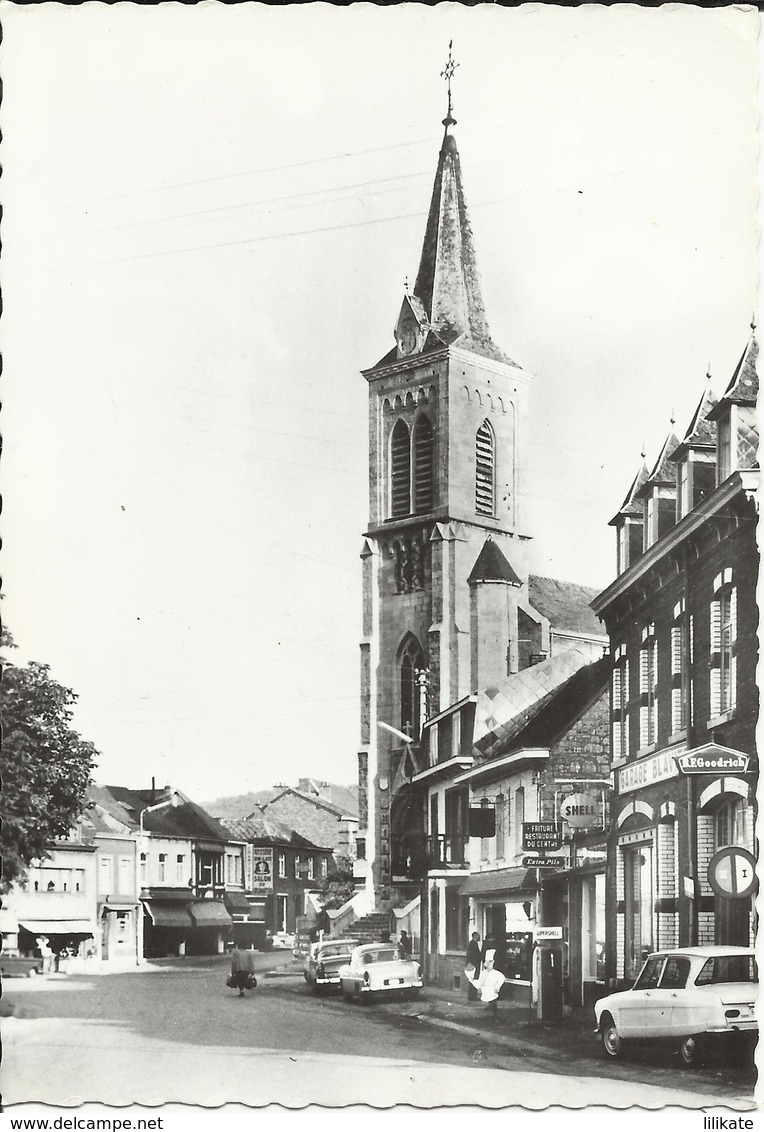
(32, 973)
(612, 1042)
(689, 1050)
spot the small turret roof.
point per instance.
(743, 388)
(663, 470)
(701, 432)
(492, 566)
(630, 505)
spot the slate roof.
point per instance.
(562, 707)
(566, 605)
(502, 713)
(184, 820)
(663, 469)
(261, 828)
(701, 431)
(743, 388)
(630, 506)
(448, 283)
(342, 798)
(492, 566)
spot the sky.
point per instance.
(210, 213)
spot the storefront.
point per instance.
(503, 904)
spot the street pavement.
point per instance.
(174, 1033)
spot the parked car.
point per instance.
(687, 997)
(20, 965)
(322, 963)
(377, 968)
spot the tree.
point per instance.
(337, 886)
(46, 765)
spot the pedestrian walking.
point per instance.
(404, 945)
(489, 983)
(474, 961)
(242, 975)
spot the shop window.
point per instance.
(638, 905)
(457, 913)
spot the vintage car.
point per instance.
(378, 969)
(687, 997)
(20, 965)
(321, 968)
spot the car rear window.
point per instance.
(337, 949)
(385, 956)
(676, 972)
(728, 969)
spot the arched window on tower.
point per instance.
(412, 662)
(485, 472)
(400, 471)
(424, 448)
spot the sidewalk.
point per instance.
(515, 1025)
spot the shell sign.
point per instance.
(581, 811)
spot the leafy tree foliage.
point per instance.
(337, 886)
(45, 764)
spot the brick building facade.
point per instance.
(682, 620)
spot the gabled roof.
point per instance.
(663, 469)
(501, 713)
(630, 505)
(344, 798)
(561, 708)
(566, 605)
(315, 799)
(492, 566)
(263, 829)
(186, 820)
(743, 388)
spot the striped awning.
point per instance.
(210, 914)
(499, 881)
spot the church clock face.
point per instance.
(408, 338)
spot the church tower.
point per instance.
(445, 541)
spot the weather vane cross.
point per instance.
(448, 73)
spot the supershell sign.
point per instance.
(712, 760)
(262, 869)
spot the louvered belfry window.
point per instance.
(400, 471)
(424, 447)
(484, 470)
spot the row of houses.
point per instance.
(149, 873)
(615, 796)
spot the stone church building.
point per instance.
(450, 607)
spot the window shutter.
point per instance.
(644, 720)
(715, 689)
(484, 470)
(617, 740)
(676, 679)
(423, 466)
(733, 647)
(400, 471)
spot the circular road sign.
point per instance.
(732, 873)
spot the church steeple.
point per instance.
(448, 281)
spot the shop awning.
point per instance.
(237, 903)
(57, 927)
(167, 913)
(499, 881)
(210, 914)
